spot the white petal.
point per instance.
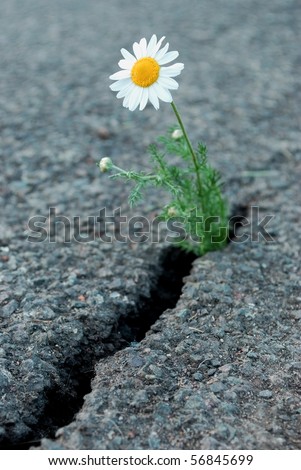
(172, 70)
(127, 55)
(121, 74)
(126, 64)
(151, 45)
(120, 84)
(135, 98)
(152, 95)
(126, 101)
(162, 93)
(144, 99)
(137, 50)
(168, 82)
(140, 96)
(125, 91)
(143, 47)
(168, 57)
(157, 47)
(162, 52)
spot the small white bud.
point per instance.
(172, 211)
(177, 134)
(105, 164)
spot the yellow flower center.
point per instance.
(145, 72)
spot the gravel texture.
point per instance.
(222, 368)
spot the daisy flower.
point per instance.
(143, 77)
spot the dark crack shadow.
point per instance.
(63, 401)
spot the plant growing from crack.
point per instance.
(196, 201)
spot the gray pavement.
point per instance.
(221, 369)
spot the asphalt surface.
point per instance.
(221, 368)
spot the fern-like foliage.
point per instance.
(195, 189)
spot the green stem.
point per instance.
(133, 174)
(194, 159)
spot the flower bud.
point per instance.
(105, 164)
(177, 134)
(172, 211)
